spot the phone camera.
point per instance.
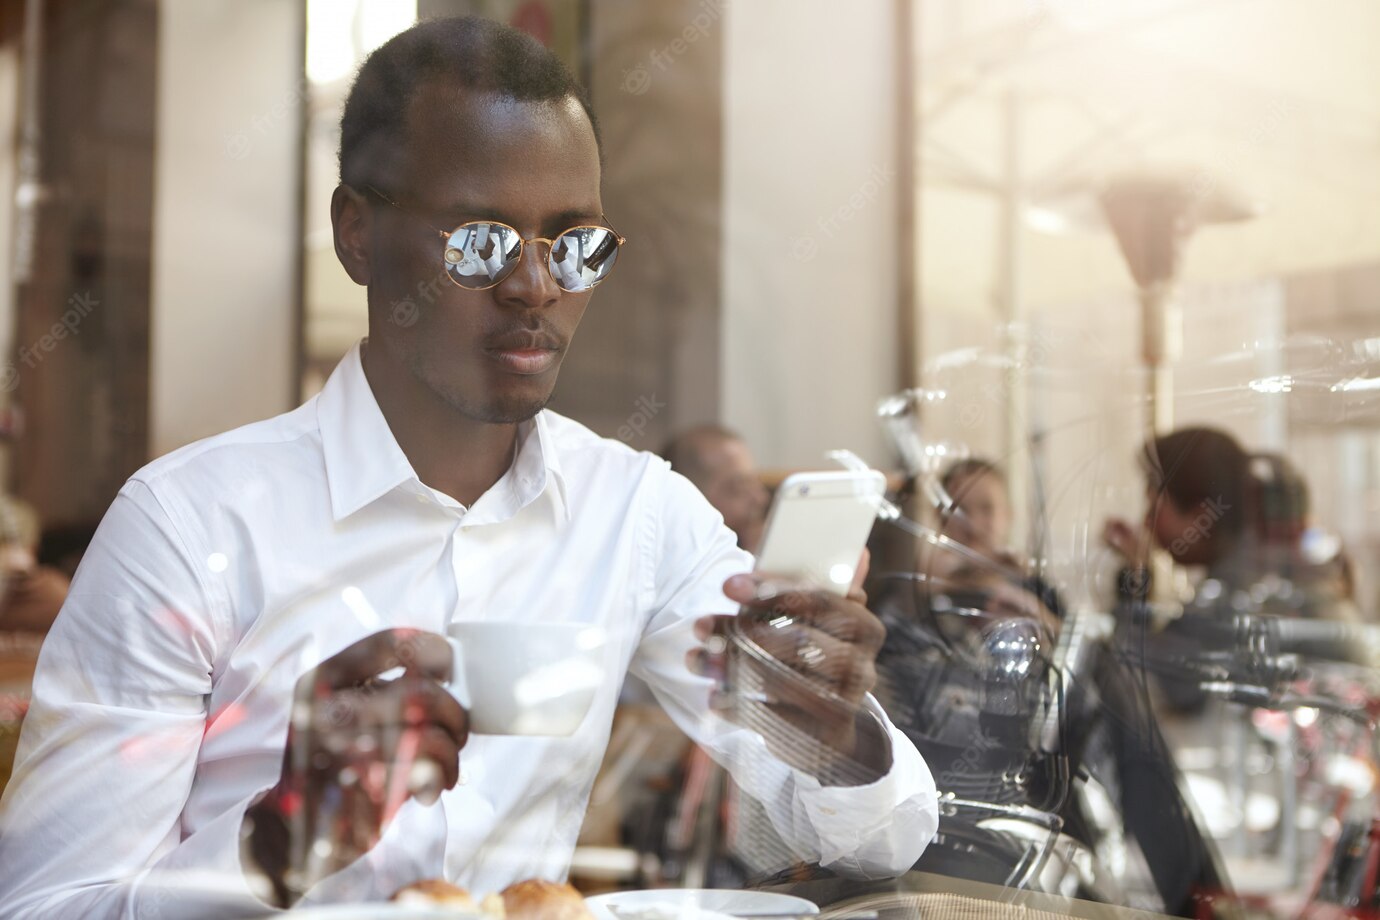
(804, 490)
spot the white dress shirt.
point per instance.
(227, 569)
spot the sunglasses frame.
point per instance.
(522, 245)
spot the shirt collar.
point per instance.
(364, 462)
(548, 462)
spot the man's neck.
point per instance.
(453, 454)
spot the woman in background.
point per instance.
(1242, 518)
(1238, 518)
(979, 517)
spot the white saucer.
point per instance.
(693, 902)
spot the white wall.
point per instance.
(810, 186)
(225, 229)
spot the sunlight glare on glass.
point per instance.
(380, 20)
(340, 33)
(330, 39)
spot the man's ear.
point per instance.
(350, 217)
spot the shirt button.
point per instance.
(421, 499)
(827, 811)
(463, 778)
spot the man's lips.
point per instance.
(525, 352)
(524, 360)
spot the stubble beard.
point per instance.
(493, 411)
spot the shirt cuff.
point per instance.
(881, 828)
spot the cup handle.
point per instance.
(458, 686)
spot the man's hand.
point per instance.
(371, 727)
(830, 645)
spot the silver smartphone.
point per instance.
(818, 526)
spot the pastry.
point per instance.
(538, 899)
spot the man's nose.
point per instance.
(531, 285)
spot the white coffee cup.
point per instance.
(526, 678)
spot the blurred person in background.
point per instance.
(1197, 508)
(1238, 520)
(1312, 572)
(717, 460)
(979, 517)
(32, 594)
(1242, 519)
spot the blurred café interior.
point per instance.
(1095, 285)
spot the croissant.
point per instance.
(436, 892)
(537, 899)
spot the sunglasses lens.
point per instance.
(481, 254)
(583, 257)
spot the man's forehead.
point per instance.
(465, 147)
(477, 128)
(441, 96)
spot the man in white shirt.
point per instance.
(255, 633)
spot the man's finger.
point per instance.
(437, 745)
(843, 618)
(409, 649)
(416, 700)
(814, 654)
(795, 603)
(381, 710)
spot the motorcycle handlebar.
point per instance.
(1269, 636)
(1343, 642)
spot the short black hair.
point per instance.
(475, 53)
(1196, 465)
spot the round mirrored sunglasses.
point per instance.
(481, 254)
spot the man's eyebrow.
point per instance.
(460, 213)
(567, 219)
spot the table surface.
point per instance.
(934, 897)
